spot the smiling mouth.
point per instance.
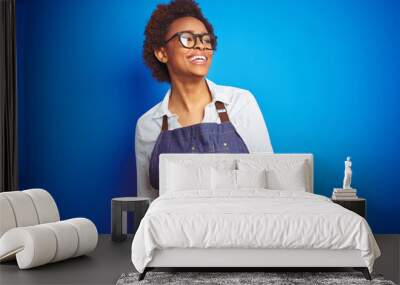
(198, 59)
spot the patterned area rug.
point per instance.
(230, 278)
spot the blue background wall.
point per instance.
(325, 74)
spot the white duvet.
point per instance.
(251, 218)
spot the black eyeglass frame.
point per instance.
(200, 36)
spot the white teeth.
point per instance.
(196, 57)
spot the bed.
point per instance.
(247, 210)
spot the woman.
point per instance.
(196, 115)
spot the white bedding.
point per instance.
(250, 218)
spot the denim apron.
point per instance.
(198, 138)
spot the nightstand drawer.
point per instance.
(357, 206)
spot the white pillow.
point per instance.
(288, 179)
(222, 163)
(182, 177)
(282, 174)
(230, 179)
(223, 179)
(251, 178)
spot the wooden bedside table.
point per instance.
(356, 205)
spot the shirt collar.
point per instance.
(217, 94)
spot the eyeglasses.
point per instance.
(188, 39)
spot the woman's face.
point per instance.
(181, 61)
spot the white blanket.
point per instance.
(251, 218)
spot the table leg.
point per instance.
(124, 223)
(116, 222)
(140, 211)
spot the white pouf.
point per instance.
(31, 232)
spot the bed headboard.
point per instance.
(215, 158)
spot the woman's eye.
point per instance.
(207, 39)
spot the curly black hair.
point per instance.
(157, 28)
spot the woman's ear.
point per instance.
(161, 54)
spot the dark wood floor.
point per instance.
(111, 259)
(389, 262)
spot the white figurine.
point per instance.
(347, 174)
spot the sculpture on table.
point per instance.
(347, 174)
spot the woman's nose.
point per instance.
(198, 40)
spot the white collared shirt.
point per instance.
(244, 114)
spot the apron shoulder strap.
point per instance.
(165, 123)
(223, 114)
